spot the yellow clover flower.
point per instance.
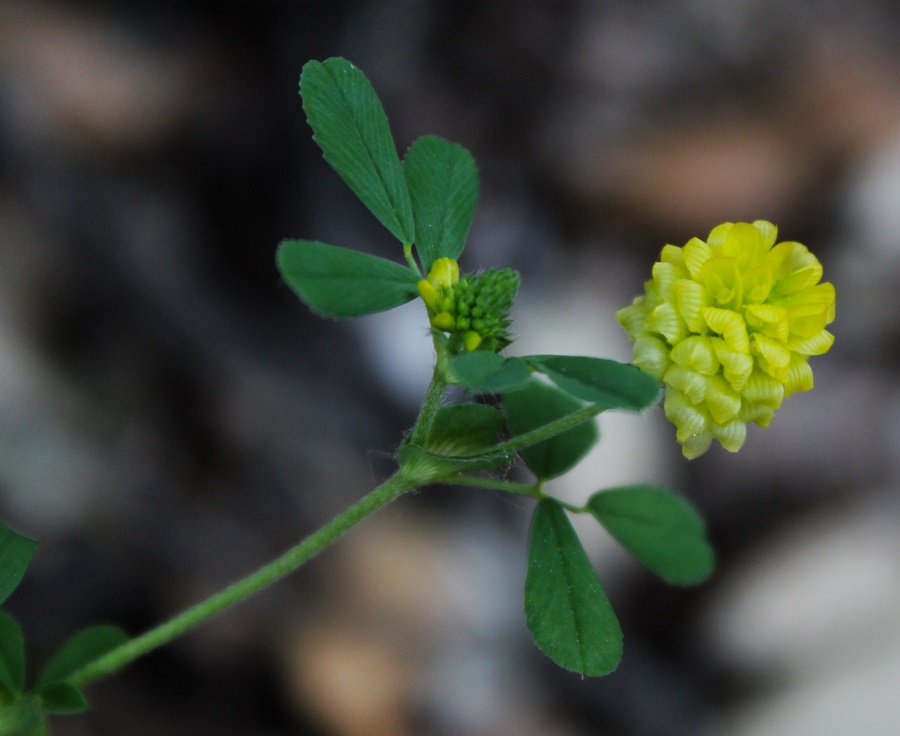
(728, 325)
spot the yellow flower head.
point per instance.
(729, 325)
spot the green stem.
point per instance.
(117, 658)
(410, 259)
(544, 432)
(430, 405)
(533, 491)
(495, 484)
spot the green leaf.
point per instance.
(566, 608)
(443, 186)
(483, 372)
(339, 282)
(461, 429)
(609, 383)
(16, 552)
(12, 654)
(61, 697)
(661, 529)
(350, 127)
(24, 717)
(80, 649)
(536, 405)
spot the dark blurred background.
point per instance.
(172, 417)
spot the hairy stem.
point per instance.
(430, 406)
(117, 658)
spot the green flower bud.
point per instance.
(475, 307)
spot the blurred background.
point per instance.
(171, 417)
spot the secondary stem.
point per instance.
(545, 431)
(114, 660)
(507, 486)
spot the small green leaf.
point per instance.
(16, 552)
(443, 186)
(483, 372)
(661, 529)
(80, 649)
(12, 654)
(536, 405)
(609, 383)
(566, 608)
(61, 697)
(461, 429)
(350, 127)
(24, 717)
(339, 282)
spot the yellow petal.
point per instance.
(674, 256)
(696, 253)
(768, 232)
(444, 272)
(762, 389)
(744, 243)
(690, 383)
(652, 355)
(696, 352)
(768, 319)
(758, 283)
(632, 317)
(691, 297)
(694, 446)
(736, 366)
(471, 340)
(718, 235)
(723, 402)
(663, 275)
(429, 294)
(800, 377)
(730, 325)
(730, 435)
(665, 320)
(443, 321)
(722, 279)
(687, 418)
(773, 357)
(822, 294)
(759, 414)
(815, 345)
